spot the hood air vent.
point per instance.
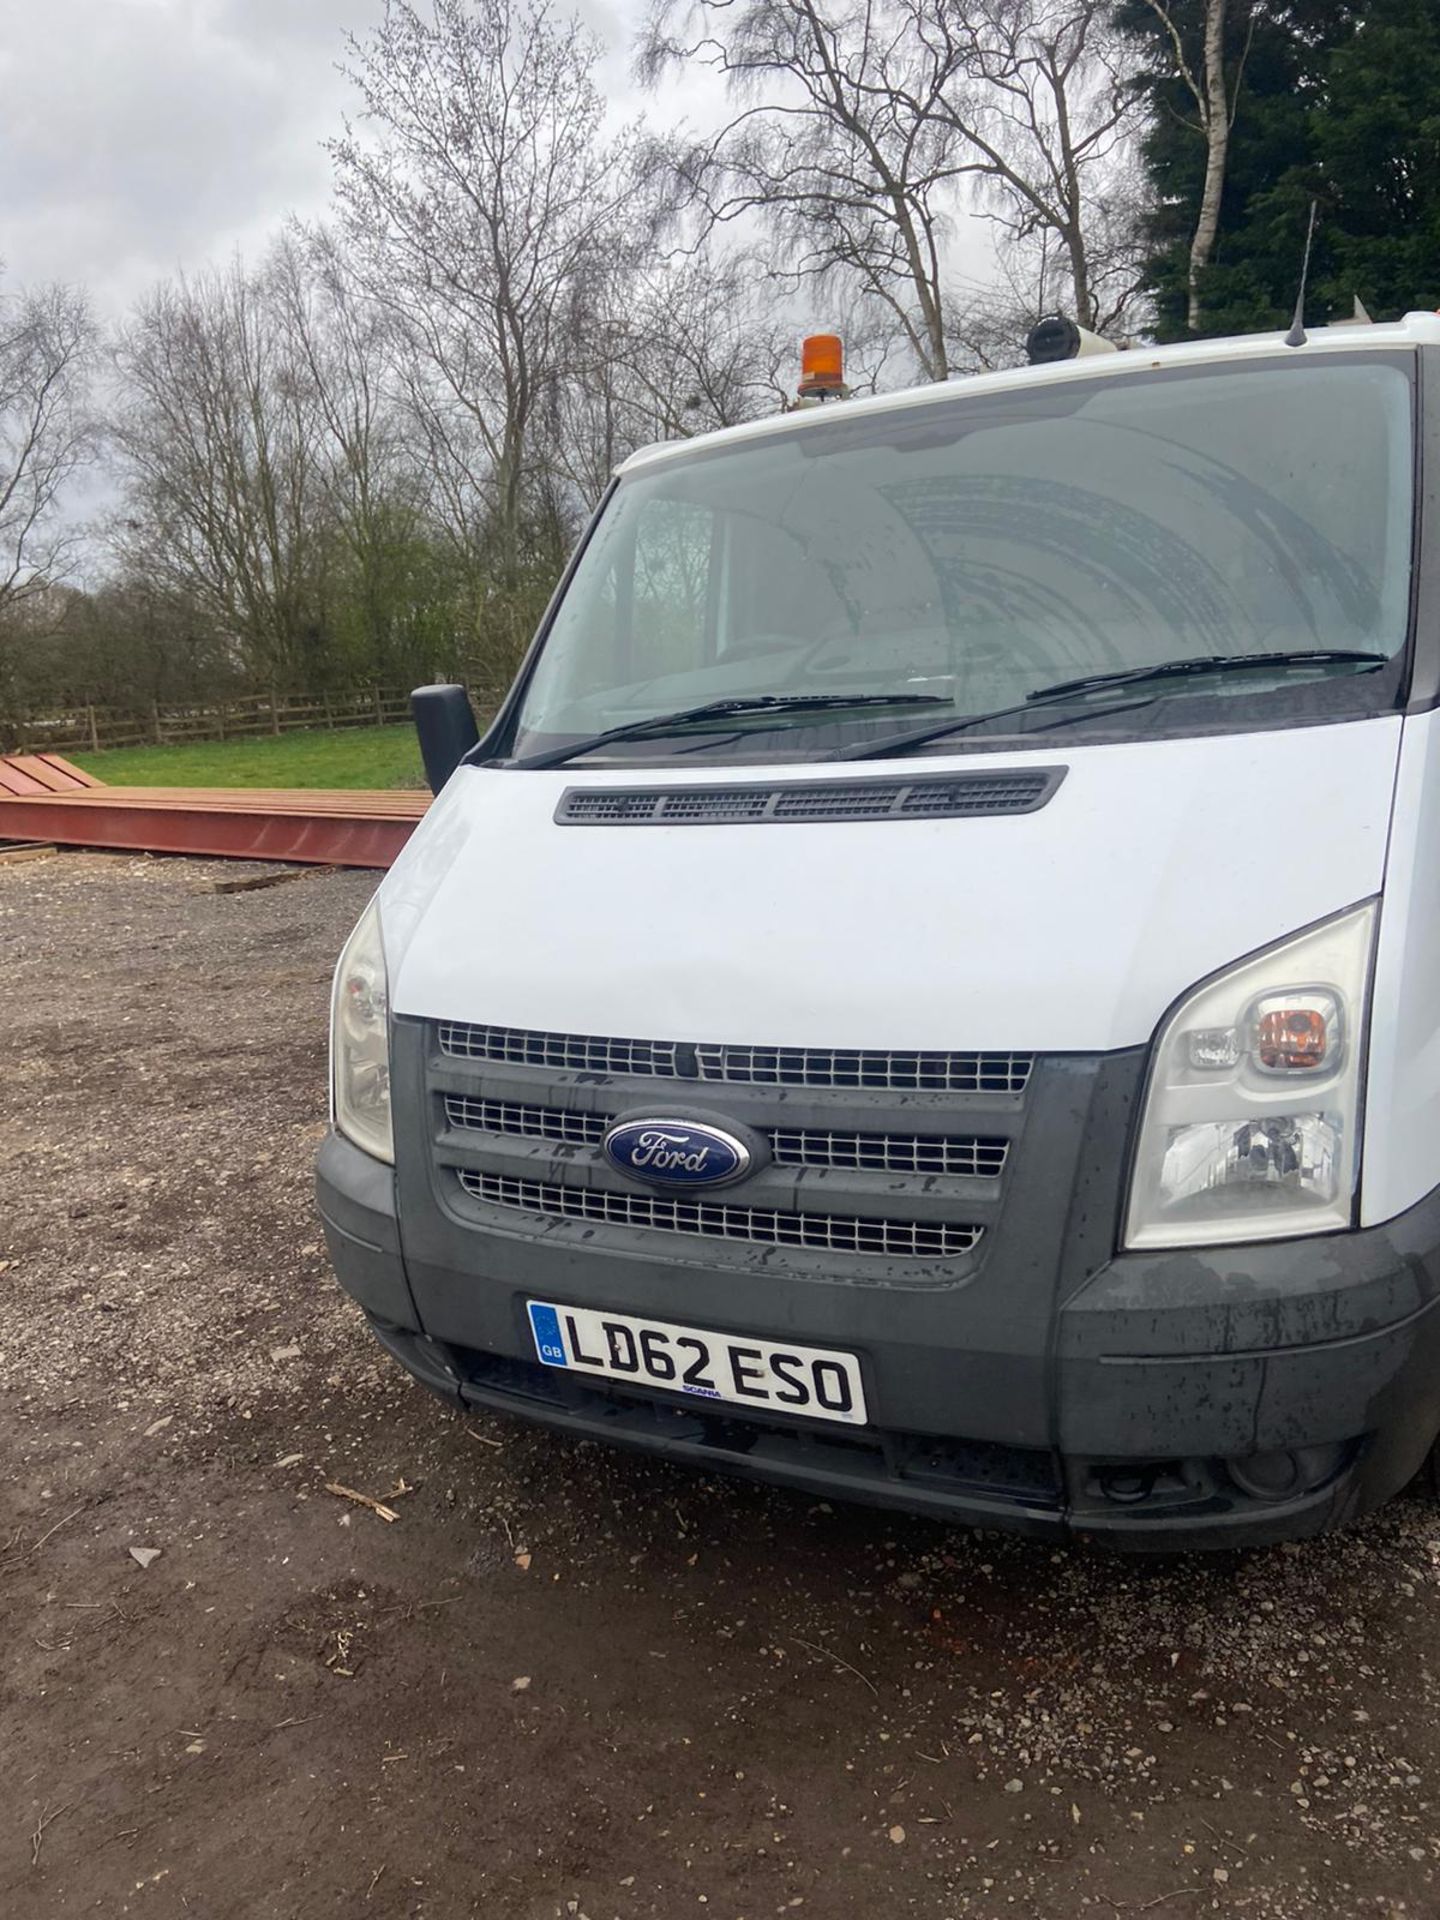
(935, 797)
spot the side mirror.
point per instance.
(447, 730)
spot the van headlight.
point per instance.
(360, 1041)
(1251, 1122)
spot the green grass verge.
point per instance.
(348, 757)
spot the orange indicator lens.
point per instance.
(1291, 1037)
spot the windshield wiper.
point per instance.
(1210, 663)
(662, 723)
(1097, 682)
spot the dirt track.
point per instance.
(563, 1682)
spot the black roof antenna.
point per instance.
(1297, 335)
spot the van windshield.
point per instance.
(974, 552)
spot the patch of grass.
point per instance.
(348, 757)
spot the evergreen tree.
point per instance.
(1276, 54)
(1376, 147)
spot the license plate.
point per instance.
(771, 1376)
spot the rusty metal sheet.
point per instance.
(42, 773)
(219, 824)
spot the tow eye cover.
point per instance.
(676, 1153)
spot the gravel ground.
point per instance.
(564, 1682)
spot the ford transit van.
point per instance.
(928, 990)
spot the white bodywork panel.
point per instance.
(1402, 1105)
(1066, 930)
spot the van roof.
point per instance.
(1415, 330)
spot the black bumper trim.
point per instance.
(1279, 1351)
(1142, 1373)
(827, 1469)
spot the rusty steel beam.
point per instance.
(302, 831)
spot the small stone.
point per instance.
(897, 1834)
(1014, 1786)
(1220, 1876)
(520, 1685)
(284, 1353)
(144, 1556)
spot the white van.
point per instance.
(929, 989)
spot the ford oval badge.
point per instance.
(676, 1153)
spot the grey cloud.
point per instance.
(139, 136)
(143, 137)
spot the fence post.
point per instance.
(94, 730)
(155, 722)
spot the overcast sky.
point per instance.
(138, 137)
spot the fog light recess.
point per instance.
(1281, 1475)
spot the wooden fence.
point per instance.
(93, 729)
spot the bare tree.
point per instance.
(838, 144)
(477, 191)
(1041, 107)
(863, 129)
(48, 347)
(703, 347)
(218, 437)
(339, 347)
(1215, 92)
(671, 350)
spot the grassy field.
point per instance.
(348, 757)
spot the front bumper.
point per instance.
(1164, 1373)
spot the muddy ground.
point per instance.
(563, 1681)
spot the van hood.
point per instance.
(1069, 929)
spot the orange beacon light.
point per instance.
(822, 367)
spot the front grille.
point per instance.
(844, 1067)
(824, 1232)
(933, 797)
(531, 1123)
(790, 1146)
(887, 1152)
(567, 1052)
(900, 1071)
